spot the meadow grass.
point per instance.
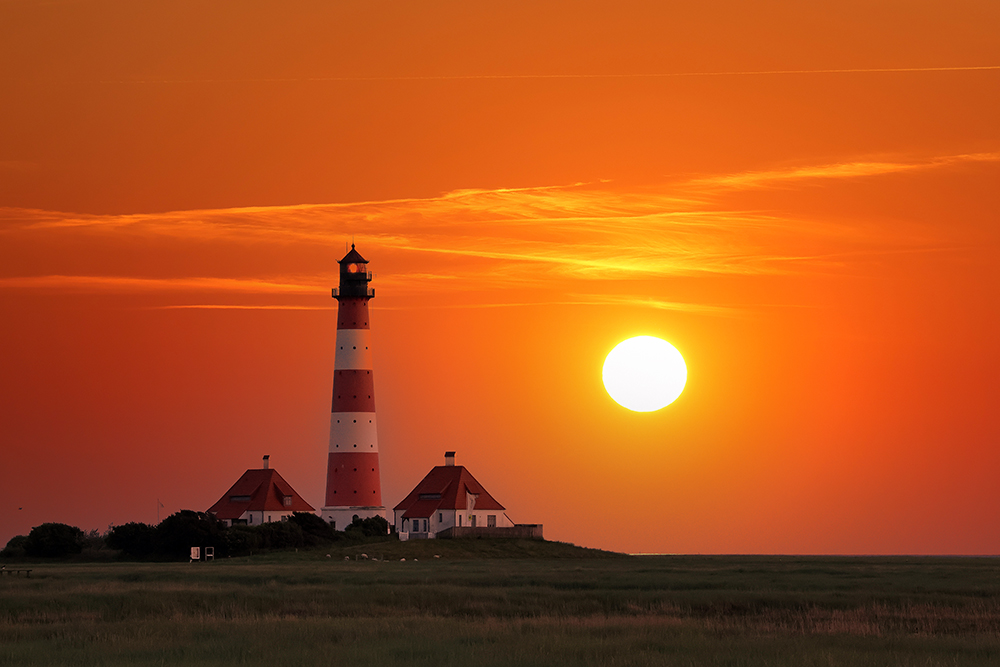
(505, 603)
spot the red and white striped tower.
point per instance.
(352, 473)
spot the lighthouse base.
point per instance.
(340, 517)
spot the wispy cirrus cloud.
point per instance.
(559, 237)
(529, 77)
(232, 306)
(857, 169)
(130, 284)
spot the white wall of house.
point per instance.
(442, 519)
(258, 517)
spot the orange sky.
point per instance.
(802, 197)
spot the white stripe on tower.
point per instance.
(353, 431)
(353, 349)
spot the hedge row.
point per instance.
(174, 536)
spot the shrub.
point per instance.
(132, 539)
(15, 547)
(375, 526)
(93, 540)
(185, 529)
(241, 540)
(315, 530)
(54, 540)
(281, 535)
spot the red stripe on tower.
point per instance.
(353, 489)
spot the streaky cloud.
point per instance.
(487, 240)
(581, 75)
(857, 169)
(130, 284)
(230, 306)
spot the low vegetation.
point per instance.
(173, 538)
(503, 602)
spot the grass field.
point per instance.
(486, 602)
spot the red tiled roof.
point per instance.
(265, 490)
(452, 485)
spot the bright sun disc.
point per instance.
(644, 374)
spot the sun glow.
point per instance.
(644, 374)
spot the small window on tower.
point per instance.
(287, 500)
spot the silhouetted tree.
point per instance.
(315, 530)
(281, 535)
(241, 540)
(15, 547)
(53, 540)
(375, 526)
(93, 540)
(185, 529)
(132, 539)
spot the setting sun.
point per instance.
(644, 374)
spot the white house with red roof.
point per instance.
(449, 498)
(259, 496)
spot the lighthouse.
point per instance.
(353, 489)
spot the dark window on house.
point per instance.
(287, 500)
(491, 520)
(440, 517)
(472, 521)
(239, 499)
(430, 496)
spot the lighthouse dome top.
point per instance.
(353, 257)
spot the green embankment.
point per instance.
(488, 603)
(466, 549)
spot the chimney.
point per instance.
(266, 457)
(449, 458)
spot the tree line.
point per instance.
(173, 537)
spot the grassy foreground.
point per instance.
(505, 603)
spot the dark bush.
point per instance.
(315, 530)
(132, 539)
(15, 547)
(242, 540)
(185, 529)
(93, 541)
(375, 526)
(54, 540)
(281, 535)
